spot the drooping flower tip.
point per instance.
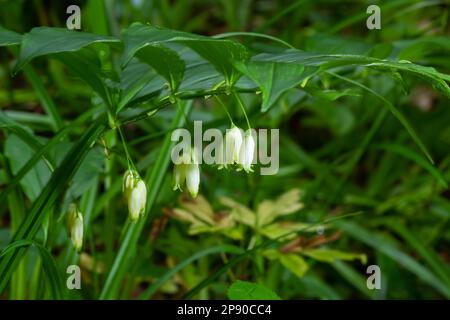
(130, 178)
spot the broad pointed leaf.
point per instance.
(9, 38)
(274, 78)
(44, 40)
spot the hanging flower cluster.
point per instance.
(236, 151)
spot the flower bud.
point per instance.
(247, 151)
(136, 193)
(75, 224)
(137, 199)
(233, 142)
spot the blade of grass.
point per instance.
(411, 155)
(431, 258)
(53, 275)
(43, 96)
(394, 111)
(354, 278)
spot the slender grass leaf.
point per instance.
(411, 155)
(354, 278)
(330, 255)
(386, 247)
(400, 117)
(46, 100)
(432, 259)
(50, 268)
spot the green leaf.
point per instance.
(50, 268)
(243, 290)
(328, 61)
(428, 254)
(273, 78)
(44, 40)
(24, 134)
(165, 277)
(44, 97)
(52, 191)
(42, 151)
(400, 117)
(293, 262)
(411, 155)
(19, 153)
(389, 249)
(166, 62)
(86, 65)
(9, 38)
(220, 53)
(354, 277)
(330, 256)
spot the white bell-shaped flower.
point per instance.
(135, 191)
(187, 171)
(233, 142)
(192, 178)
(247, 151)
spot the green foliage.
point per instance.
(363, 119)
(243, 290)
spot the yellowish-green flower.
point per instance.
(76, 227)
